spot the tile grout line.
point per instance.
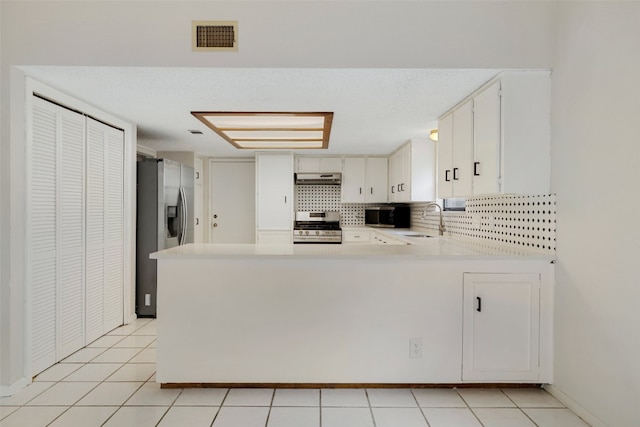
(273, 396)
(518, 406)
(220, 407)
(419, 407)
(366, 392)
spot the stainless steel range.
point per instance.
(317, 227)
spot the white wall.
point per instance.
(596, 173)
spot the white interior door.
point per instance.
(232, 196)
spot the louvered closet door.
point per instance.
(71, 220)
(43, 237)
(95, 243)
(114, 229)
(105, 229)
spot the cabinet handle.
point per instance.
(197, 221)
(285, 199)
(360, 190)
(446, 175)
(455, 174)
(479, 309)
(475, 168)
(371, 190)
(197, 175)
(393, 188)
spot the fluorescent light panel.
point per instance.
(270, 130)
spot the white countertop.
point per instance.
(425, 248)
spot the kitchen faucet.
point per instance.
(441, 227)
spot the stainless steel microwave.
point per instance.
(388, 216)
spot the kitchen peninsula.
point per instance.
(443, 311)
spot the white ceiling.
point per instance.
(375, 110)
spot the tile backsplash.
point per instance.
(327, 198)
(522, 221)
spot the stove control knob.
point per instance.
(306, 232)
(317, 233)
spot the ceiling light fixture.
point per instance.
(268, 130)
(433, 135)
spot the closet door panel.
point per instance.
(95, 199)
(114, 228)
(94, 297)
(114, 285)
(42, 233)
(71, 219)
(43, 274)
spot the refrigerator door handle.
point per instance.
(183, 217)
(186, 216)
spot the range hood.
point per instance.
(318, 178)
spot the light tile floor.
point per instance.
(111, 382)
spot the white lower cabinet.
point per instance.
(501, 327)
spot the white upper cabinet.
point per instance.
(498, 140)
(486, 141)
(412, 172)
(318, 164)
(376, 179)
(455, 152)
(274, 192)
(364, 180)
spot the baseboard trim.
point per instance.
(574, 406)
(10, 390)
(347, 385)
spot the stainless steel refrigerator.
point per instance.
(164, 220)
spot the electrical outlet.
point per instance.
(147, 300)
(415, 348)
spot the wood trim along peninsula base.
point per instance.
(347, 385)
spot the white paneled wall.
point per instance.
(75, 229)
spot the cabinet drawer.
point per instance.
(356, 236)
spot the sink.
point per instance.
(422, 236)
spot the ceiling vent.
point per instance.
(214, 36)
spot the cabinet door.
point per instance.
(463, 150)
(405, 177)
(395, 176)
(486, 141)
(353, 180)
(318, 164)
(501, 327)
(308, 164)
(330, 164)
(445, 156)
(274, 184)
(376, 179)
